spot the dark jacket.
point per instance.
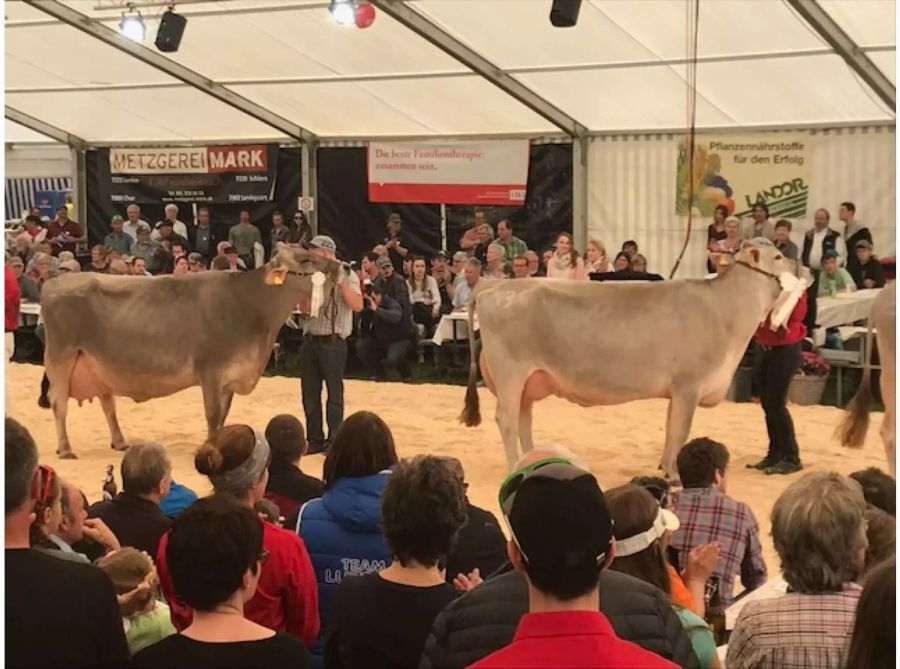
(852, 241)
(480, 544)
(135, 521)
(829, 243)
(386, 323)
(397, 288)
(871, 270)
(199, 243)
(485, 619)
(289, 488)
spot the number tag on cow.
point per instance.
(318, 280)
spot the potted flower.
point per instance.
(808, 385)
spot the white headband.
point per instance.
(665, 520)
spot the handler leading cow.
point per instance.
(103, 334)
(600, 344)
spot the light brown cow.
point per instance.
(143, 337)
(852, 431)
(600, 344)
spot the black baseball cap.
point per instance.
(560, 520)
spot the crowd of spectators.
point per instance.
(385, 563)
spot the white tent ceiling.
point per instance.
(622, 68)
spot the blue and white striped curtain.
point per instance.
(20, 192)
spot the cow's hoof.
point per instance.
(43, 402)
(120, 447)
(68, 455)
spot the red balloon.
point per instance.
(365, 15)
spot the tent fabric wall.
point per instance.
(631, 192)
(32, 161)
(20, 193)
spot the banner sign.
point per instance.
(742, 169)
(216, 174)
(487, 172)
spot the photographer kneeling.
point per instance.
(384, 336)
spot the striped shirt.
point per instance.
(796, 631)
(334, 304)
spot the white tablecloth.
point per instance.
(846, 308)
(453, 326)
(30, 308)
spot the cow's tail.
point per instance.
(471, 413)
(852, 430)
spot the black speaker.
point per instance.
(564, 13)
(171, 29)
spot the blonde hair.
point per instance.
(600, 247)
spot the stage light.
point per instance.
(564, 13)
(132, 25)
(343, 11)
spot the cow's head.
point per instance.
(290, 260)
(760, 253)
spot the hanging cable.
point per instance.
(692, 24)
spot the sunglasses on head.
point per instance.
(514, 481)
(45, 479)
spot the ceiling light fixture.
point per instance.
(132, 25)
(343, 12)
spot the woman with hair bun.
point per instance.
(237, 464)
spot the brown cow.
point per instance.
(147, 337)
(600, 344)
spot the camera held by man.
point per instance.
(384, 337)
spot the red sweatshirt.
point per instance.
(790, 333)
(12, 299)
(286, 598)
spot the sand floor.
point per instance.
(617, 442)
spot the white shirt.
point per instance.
(815, 252)
(462, 294)
(131, 229)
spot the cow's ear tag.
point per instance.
(275, 277)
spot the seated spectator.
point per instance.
(178, 249)
(879, 489)
(66, 266)
(494, 267)
(237, 462)
(181, 267)
(874, 644)
(406, 271)
(442, 273)
(222, 264)
(64, 614)
(707, 514)
(156, 258)
(562, 539)
(818, 527)
(485, 619)
(464, 290)
(179, 498)
(235, 263)
(520, 268)
(268, 511)
(118, 239)
(881, 535)
(595, 258)
(715, 232)
(44, 268)
(534, 263)
(219, 563)
(630, 248)
(196, 263)
(288, 487)
(146, 620)
(116, 267)
(75, 527)
(426, 296)
(99, 259)
(759, 224)
(459, 265)
(512, 246)
(783, 239)
(834, 279)
(139, 267)
(370, 266)
(28, 289)
(566, 262)
(639, 263)
(641, 525)
(35, 230)
(134, 515)
(867, 271)
(656, 486)
(342, 530)
(384, 337)
(394, 286)
(382, 619)
(480, 545)
(25, 248)
(47, 510)
(622, 263)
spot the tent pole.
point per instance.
(580, 192)
(309, 179)
(79, 187)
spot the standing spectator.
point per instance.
(874, 644)
(707, 514)
(854, 231)
(834, 279)
(471, 236)
(534, 263)
(279, 233)
(818, 528)
(485, 235)
(133, 212)
(779, 360)
(481, 545)
(220, 564)
(463, 292)
(512, 246)
(867, 272)
(117, 239)
(639, 263)
(622, 263)
(28, 289)
(630, 248)
(494, 267)
(153, 254)
(243, 236)
(204, 239)
(134, 515)
(382, 619)
(171, 240)
(24, 250)
(342, 530)
(820, 240)
(171, 215)
(426, 296)
(729, 245)
(384, 337)
(783, 239)
(63, 232)
(237, 462)
(99, 259)
(566, 262)
(562, 539)
(288, 486)
(879, 489)
(715, 233)
(323, 354)
(760, 225)
(393, 243)
(520, 268)
(65, 614)
(301, 231)
(596, 259)
(35, 231)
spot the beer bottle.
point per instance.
(715, 611)
(109, 484)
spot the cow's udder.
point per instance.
(84, 384)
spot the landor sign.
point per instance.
(742, 169)
(489, 172)
(218, 174)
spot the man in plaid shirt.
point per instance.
(707, 514)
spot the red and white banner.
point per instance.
(485, 172)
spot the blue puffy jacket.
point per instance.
(342, 533)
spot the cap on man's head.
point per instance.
(864, 244)
(16, 261)
(830, 253)
(166, 223)
(117, 219)
(143, 227)
(66, 255)
(443, 254)
(228, 248)
(323, 242)
(394, 218)
(384, 261)
(560, 520)
(69, 266)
